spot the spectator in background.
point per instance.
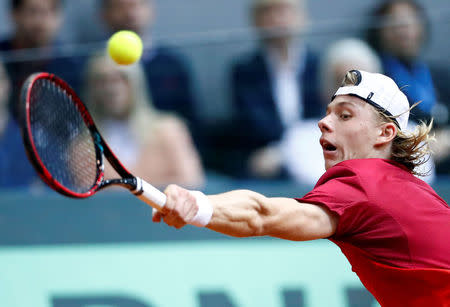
(168, 77)
(399, 32)
(15, 170)
(36, 25)
(274, 87)
(441, 151)
(342, 56)
(400, 41)
(154, 145)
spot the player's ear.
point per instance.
(386, 133)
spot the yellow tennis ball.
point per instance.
(125, 47)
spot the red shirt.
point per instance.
(392, 228)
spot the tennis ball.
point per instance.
(125, 47)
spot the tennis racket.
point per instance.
(65, 147)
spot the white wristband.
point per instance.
(205, 210)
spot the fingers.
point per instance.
(180, 207)
(171, 192)
(156, 216)
(174, 221)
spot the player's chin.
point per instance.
(328, 165)
(330, 162)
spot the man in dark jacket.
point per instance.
(275, 86)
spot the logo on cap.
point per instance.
(382, 93)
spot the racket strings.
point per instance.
(61, 137)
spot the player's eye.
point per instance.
(345, 116)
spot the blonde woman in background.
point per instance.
(154, 145)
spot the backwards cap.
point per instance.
(382, 93)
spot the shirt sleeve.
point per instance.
(340, 190)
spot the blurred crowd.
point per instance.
(149, 114)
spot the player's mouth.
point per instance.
(328, 148)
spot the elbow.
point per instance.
(255, 225)
(258, 219)
(245, 215)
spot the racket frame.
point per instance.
(101, 147)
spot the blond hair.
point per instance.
(143, 116)
(410, 149)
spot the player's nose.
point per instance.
(324, 124)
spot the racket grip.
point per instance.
(149, 194)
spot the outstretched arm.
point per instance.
(244, 213)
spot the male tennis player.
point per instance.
(393, 228)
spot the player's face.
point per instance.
(349, 130)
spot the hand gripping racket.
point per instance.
(66, 148)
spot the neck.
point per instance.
(282, 49)
(382, 152)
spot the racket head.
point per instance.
(60, 136)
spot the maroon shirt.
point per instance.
(389, 221)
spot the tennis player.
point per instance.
(392, 227)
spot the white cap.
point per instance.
(382, 93)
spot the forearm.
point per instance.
(240, 213)
(243, 213)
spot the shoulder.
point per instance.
(164, 61)
(167, 52)
(356, 179)
(165, 55)
(348, 168)
(345, 190)
(340, 186)
(379, 179)
(370, 167)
